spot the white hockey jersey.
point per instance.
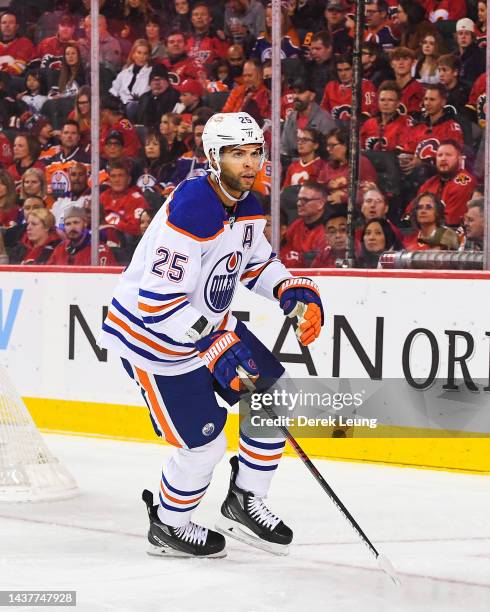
(187, 265)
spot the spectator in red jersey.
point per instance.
(471, 55)
(203, 45)
(308, 166)
(336, 237)
(402, 60)
(6, 151)
(377, 237)
(306, 114)
(387, 130)
(449, 68)
(76, 249)
(321, 67)
(378, 26)
(191, 92)
(477, 102)
(451, 183)
(439, 123)
(39, 240)
(252, 97)
(427, 218)
(122, 204)
(337, 97)
(305, 237)
(55, 45)
(335, 172)
(9, 211)
(179, 65)
(15, 51)
(14, 236)
(26, 153)
(440, 10)
(112, 118)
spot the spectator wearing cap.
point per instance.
(336, 239)
(78, 196)
(378, 27)
(471, 55)
(191, 92)
(307, 114)
(321, 67)
(134, 79)
(122, 204)
(335, 14)
(290, 48)
(55, 45)
(203, 45)
(112, 118)
(15, 51)
(244, 21)
(402, 60)
(252, 96)
(161, 98)
(191, 163)
(178, 63)
(76, 249)
(114, 151)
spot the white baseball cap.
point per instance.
(465, 25)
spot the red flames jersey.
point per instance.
(302, 244)
(123, 210)
(424, 140)
(206, 50)
(455, 194)
(299, 172)
(21, 49)
(478, 98)
(337, 99)
(390, 137)
(186, 68)
(412, 97)
(63, 257)
(132, 143)
(444, 9)
(6, 151)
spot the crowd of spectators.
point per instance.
(166, 66)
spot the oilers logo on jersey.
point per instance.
(222, 281)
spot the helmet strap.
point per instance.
(217, 173)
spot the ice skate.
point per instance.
(246, 518)
(190, 540)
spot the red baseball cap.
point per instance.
(190, 86)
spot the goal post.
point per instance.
(28, 470)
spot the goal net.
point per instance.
(28, 470)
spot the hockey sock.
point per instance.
(258, 461)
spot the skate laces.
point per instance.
(261, 513)
(195, 534)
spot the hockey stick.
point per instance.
(383, 562)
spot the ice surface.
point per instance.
(434, 526)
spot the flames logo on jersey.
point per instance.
(342, 112)
(427, 149)
(481, 110)
(373, 143)
(462, 179)
(221, 284)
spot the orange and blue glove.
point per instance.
(300, 297)
(223, 352)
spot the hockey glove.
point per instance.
(299, 297)
(223, 352)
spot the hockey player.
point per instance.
(170, 321)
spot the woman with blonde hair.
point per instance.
(33, 183)
(40, 239)
(134, 79)
(9, 211)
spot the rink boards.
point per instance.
(377, 322)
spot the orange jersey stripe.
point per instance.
(147, 341)
(145, 382)
(260, 457)
(254, 273)
(180, 501)
(147, 308)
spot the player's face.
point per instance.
(447, 160)
(374, 238)
(74, 228)
(388, 102)
(336, 233)
(426, 210)
(447, 76)
(239, 167)
(373, 205)
(344, 72)
(473, 223)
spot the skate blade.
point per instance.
(172, 553)
(239, 532)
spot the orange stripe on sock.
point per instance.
(260, 457)
(145, 382)
(180, 501)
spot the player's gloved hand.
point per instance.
(300, 297)
(223, 352)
